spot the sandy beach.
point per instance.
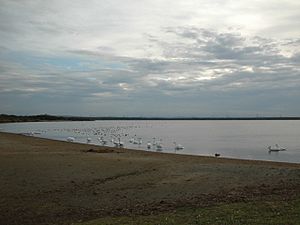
(55, 182)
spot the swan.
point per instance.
(102, 141)
(88, 140)
(276, 148)
(154, 142)
(70, 139)
(178, 146)
(159, 146)
(140, 141)
(29, 134)
(149, 145)
(119, 143)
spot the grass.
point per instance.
(274, 212)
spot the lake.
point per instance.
(243, 139)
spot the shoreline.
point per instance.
(156, 152)
(46, 181)
(51, 118)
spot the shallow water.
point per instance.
(230, 138)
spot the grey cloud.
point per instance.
(137, 57)
(270, 70)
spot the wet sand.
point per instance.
(54, 182)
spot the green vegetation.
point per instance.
(275, 212)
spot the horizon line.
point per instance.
(155, 117)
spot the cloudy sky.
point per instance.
(150, 57)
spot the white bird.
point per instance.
(149, 145)
(119, 143)
(70, 139)
(178, 146)
(276, 148)
(140, 141)
(88, 140)
(159, 146)
(154, 142)
(102, 141)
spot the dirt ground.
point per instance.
(54, 182)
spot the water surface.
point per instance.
(245, 139)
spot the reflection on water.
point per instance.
(237, 139)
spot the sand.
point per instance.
(55, 182)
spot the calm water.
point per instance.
(236, 139)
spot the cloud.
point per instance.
(194, 58)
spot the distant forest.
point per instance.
(4, 118)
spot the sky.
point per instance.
(150, 57)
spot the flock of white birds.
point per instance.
(115, 136)
(155, 144)
(110, 136)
